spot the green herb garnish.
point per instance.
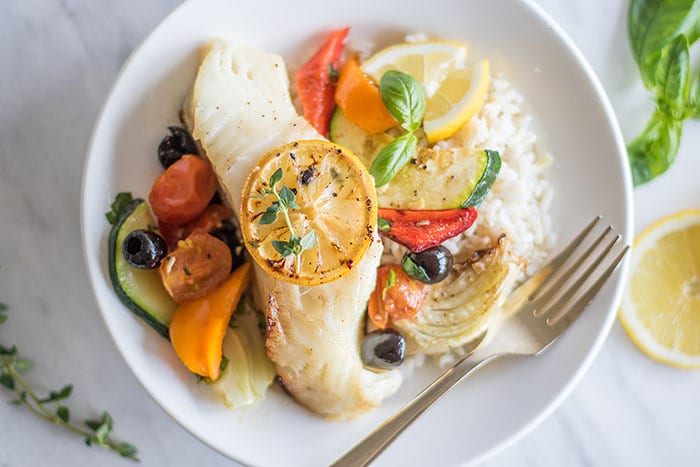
(120, 202)
(333, 74)
(404, 98)
(390, 282)
(286, 200)
(414, 270)
(52, 407)
(383, 224)
(660, 34)
(222, 367)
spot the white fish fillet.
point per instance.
(239, 109)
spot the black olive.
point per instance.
(383, 349)
(229, 234)
(429, 266)
(144, 249)
(216, 199)
(174, 146)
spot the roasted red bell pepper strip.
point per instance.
(419, 230)
(315, 83)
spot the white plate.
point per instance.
(485, 413)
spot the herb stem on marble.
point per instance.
(52, 408)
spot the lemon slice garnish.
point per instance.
(334, 197)
(661, 305)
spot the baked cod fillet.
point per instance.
(240, 109)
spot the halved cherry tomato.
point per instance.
(314, 83)
(402, 299)
(359, 99)
(183, 191)
(197, 329)
(211, 219)
(199, 264)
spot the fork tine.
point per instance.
(539, 279)
(566, 295)
(564, 320)
(549, 293)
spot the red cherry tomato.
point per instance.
(183, 191)
(399, 298)
(211, 219)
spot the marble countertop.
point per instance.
(59, 59)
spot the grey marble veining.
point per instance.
(58, 61)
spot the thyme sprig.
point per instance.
(51, 407)
(285, 200)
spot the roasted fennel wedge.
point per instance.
(460, 308)
(248, 373)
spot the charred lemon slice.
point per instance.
(308, 212)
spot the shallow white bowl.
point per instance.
(485, 413)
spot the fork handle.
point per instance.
(366, 450)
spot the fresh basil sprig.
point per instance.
(661, 33)
(404, 99)
(52, 407)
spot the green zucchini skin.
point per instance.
(473, 182)
(155, 307)
(483, 186)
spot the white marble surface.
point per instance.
(58, 60)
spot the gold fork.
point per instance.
(537, 315)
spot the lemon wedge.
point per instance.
(459, 97)
(331, 206)
(661, 305)
(428, 62)
(454, 92)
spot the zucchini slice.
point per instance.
(442, 179)
(365, 146)
(434, 179)
(140, 290)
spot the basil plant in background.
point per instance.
(661, 33)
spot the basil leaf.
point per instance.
(673, 78)
(655, 149)
(392, 158)
(414, 270)
(404, 98)
(652, 24)
(694, 98)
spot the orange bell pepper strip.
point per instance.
(359, 99)
(197, 329)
